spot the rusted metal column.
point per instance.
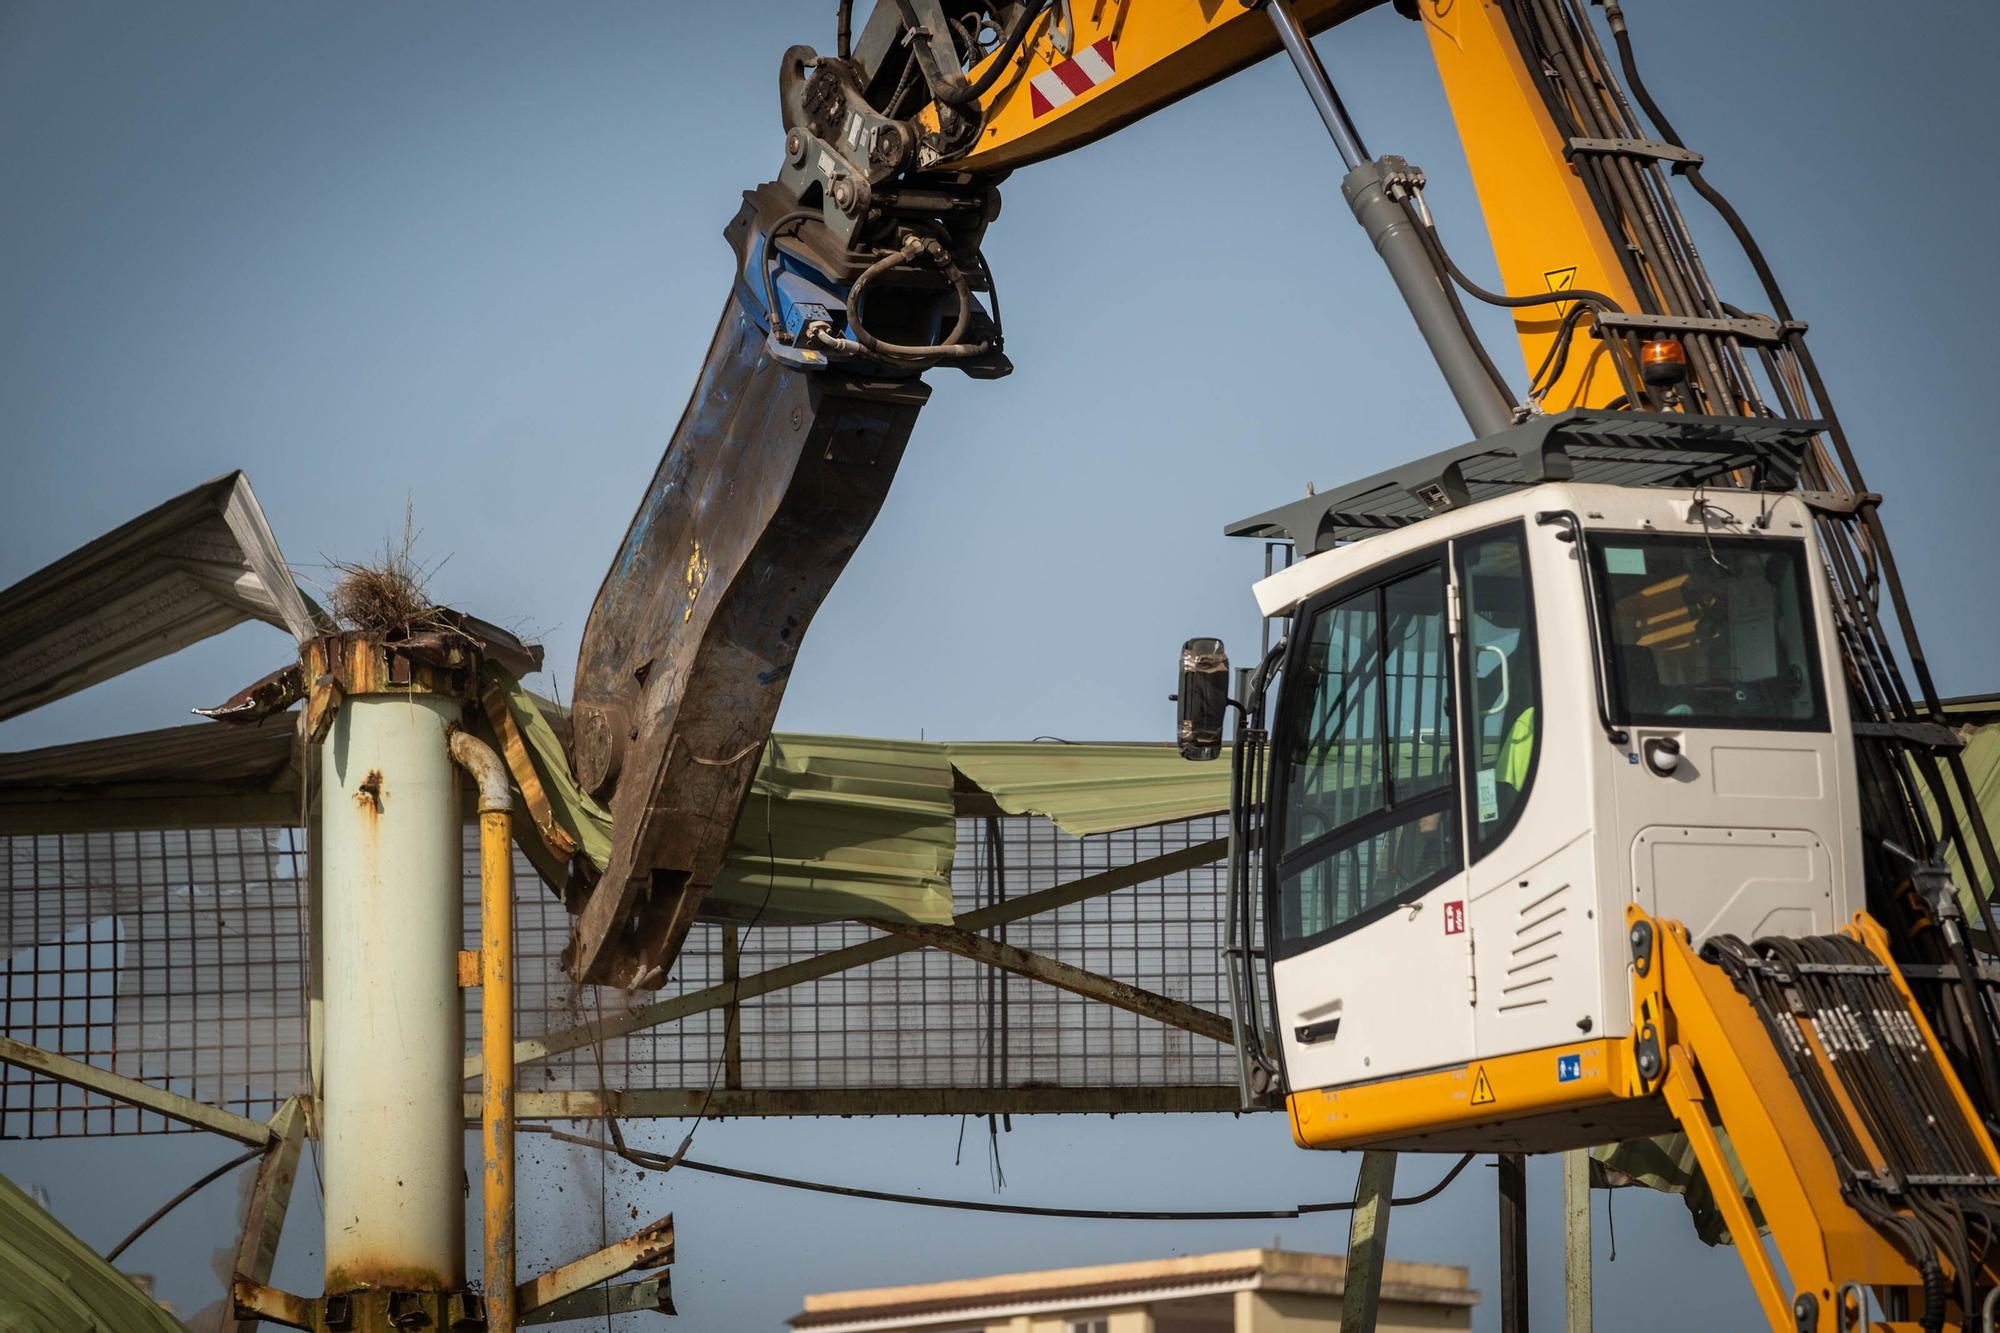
(392, 860)
(496, 1020)
(1367, 1242)
(1576, 1238)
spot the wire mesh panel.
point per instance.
(179, 957)
(934, 1020)
(175, 956)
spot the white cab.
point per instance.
(1501, 725)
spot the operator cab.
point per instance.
(1496, 724)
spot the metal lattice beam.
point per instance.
(1092, 986)
(131, 1090)
(859, 955)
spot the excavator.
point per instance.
(1592, 783)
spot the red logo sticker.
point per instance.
(1454, 918)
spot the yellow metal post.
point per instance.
(496, 1039)
(496, 1021)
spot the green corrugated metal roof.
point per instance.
(51, 1282)
(1977, 722)
(839, 827)
(843, 826)
(1093, 788)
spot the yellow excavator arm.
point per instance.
(1085, 70)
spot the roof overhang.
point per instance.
(203, 562)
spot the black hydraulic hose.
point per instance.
(1932, 1319)
(1472, 338)
(1478, 293)
(1584, 296)
(1615, 17)
(950, 345)
(660, 1162)
(768, 260)
(1010, 42)
(111, 1256)
(843, 45)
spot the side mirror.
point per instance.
(1203, 698)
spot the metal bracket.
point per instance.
(1931, 735)
(1641, 940)
(406, 1310)
(1988, 975)
(1651, 1064)
(1840, 506)
(1751, 328)
(1680, 158)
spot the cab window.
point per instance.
(1709, 631)
(1366, 759)
(1503, 714)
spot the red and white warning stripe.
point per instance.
(1093, 65)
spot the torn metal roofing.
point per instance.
(1977, 722)
(201, 563)
(51, 1282)
(837, 827)
(177, 777)
(1093, 788)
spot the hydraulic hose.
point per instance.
(1558, 354)
(864, 341)
(1478, 293)
(1465, 322)
(768, 260)
(950, 346)
(1615, 17)
(1010, 42)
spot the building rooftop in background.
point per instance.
(1235, 1291)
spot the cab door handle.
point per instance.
(1325, 1030)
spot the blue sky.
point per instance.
(469, 257)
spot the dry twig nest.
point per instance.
(387, 596)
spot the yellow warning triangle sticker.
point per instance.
(1482, 1091)
(1561, 280)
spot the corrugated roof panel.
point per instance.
(51, 1282)
(1974, 721)
(1094, 788)
(837, 826)
(184, 570)
(179, 777)
(201, 753)
(843, 826)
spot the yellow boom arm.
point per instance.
(1088, 69)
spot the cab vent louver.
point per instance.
(1537, 943)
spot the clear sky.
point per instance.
(469, 256)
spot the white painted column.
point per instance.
(393, 1107)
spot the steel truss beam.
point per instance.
(130, 1090)
(1075, 980)
(652, 1246)
(270, 1197)
(857, 955)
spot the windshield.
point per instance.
(1709, 631)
